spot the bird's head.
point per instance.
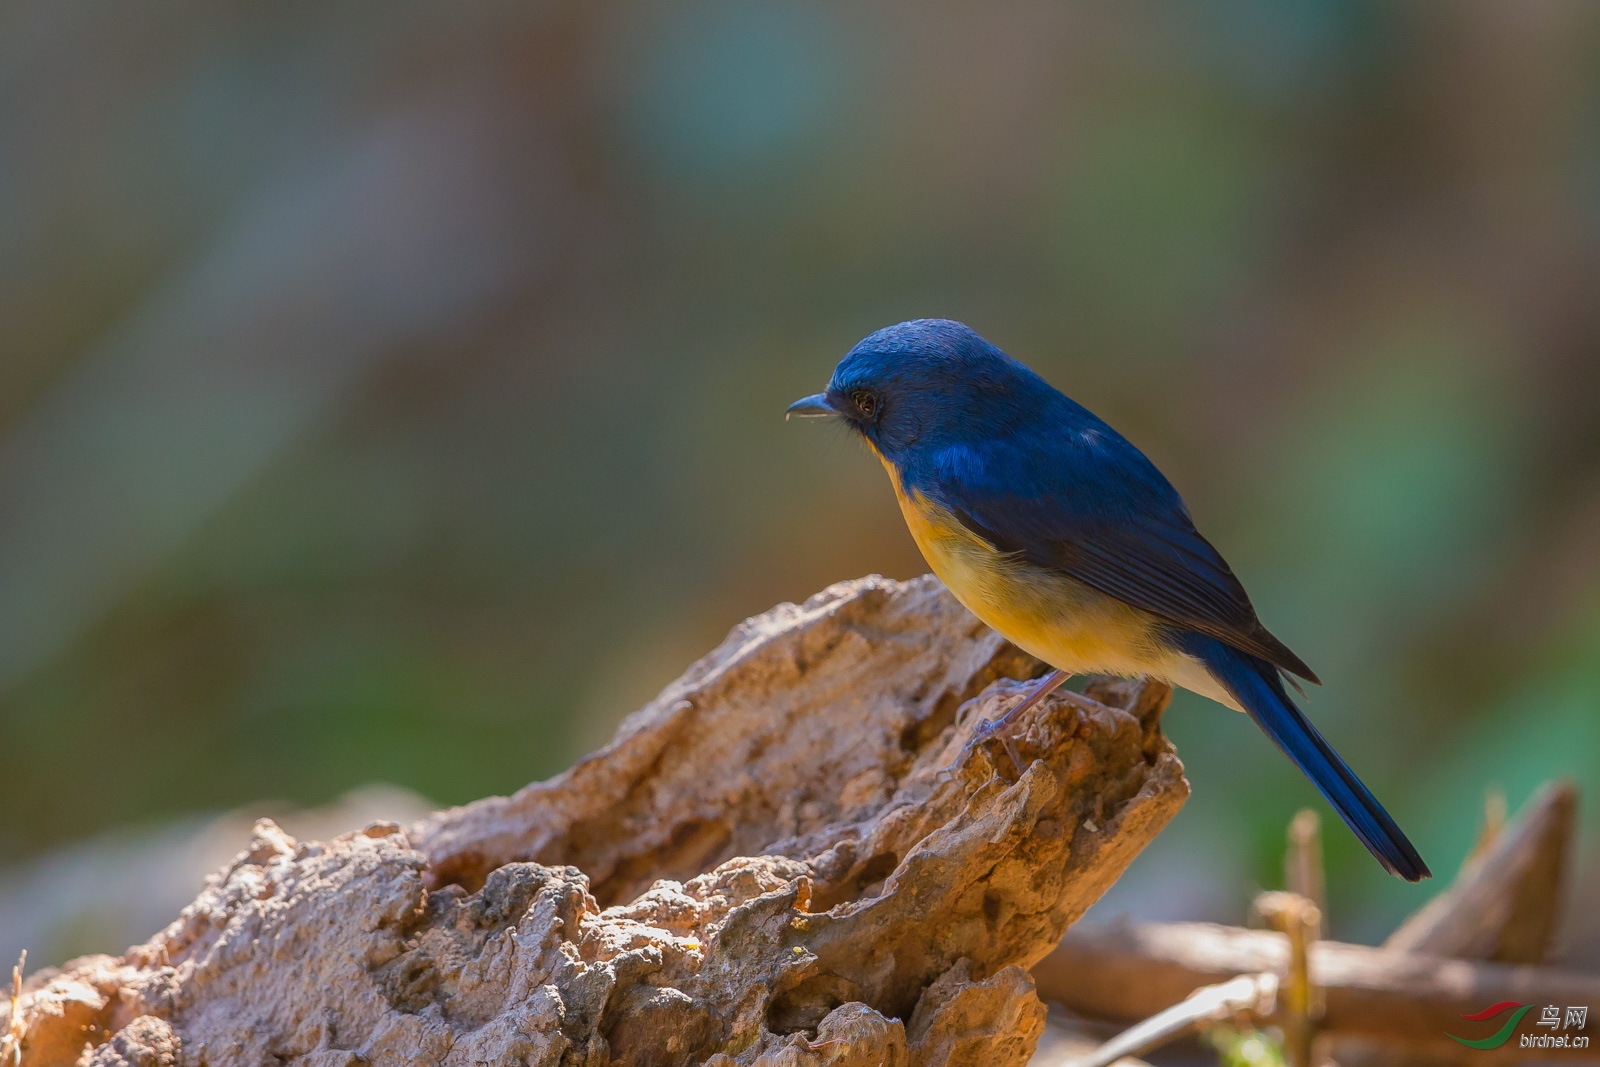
(928, 383)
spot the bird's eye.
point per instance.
(865, 402)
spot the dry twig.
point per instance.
(11, 1040)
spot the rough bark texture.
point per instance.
(789, 857)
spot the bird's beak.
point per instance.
(811, 407)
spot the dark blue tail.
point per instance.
(1258, 686)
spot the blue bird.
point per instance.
(1058, 533)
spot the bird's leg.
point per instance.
(1047, 685)
(988, 728)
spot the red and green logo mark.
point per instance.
(1500, 1036)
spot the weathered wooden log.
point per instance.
(1506, 902)
(792, 856)
(1504, 906)
(1401, 999)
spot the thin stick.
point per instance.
(15, 1031)
(1297, 918)
(1251, 994)
(1302, 863)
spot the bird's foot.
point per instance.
(994, 728)
(1002, 727)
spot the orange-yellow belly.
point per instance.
(1061, 621)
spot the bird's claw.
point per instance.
(1003, 725)
(1011, 750)
(986, 729)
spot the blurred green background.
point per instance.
(393, 392)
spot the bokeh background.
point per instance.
(392, 393)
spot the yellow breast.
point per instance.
(1061, 621)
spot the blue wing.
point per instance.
(1078, 499)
